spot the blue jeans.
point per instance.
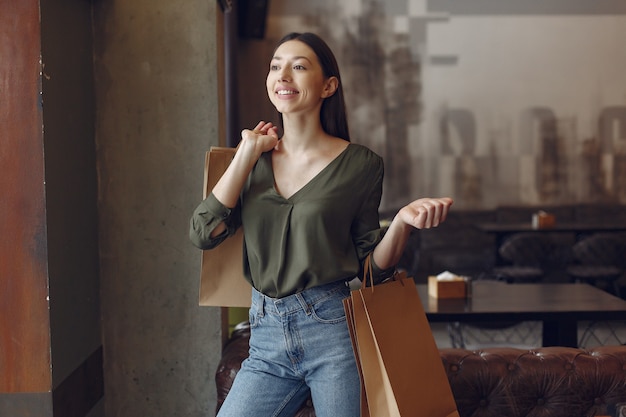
(299, 344)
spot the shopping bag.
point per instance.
(221, 279)
(401, 369)
(347, 305)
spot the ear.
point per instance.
(331, 85)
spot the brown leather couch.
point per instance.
(502, 382)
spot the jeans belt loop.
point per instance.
(261, 304)
(305, 306)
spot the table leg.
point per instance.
(499, 240)
(560, 333)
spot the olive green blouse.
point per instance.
(319, 235)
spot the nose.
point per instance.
(285, 74)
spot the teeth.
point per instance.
(285, 92)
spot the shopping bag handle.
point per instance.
(367, 273)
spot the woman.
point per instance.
(308, 203)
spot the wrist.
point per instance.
(400, 227)
(247, 151)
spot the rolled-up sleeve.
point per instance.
(366, 230)
(206, 217)
(368, 244)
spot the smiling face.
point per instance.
(296, 81)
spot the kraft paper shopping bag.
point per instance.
(221, 279)
(399, 359)
(347, 305)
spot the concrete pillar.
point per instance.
(158, 111)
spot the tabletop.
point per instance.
(524, 301)
(558, 306)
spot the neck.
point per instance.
(302, 132)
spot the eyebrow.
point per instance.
(295, 58)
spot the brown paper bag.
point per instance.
(347, 305)
(400, 365)
(221, 279)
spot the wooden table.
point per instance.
(559, 306)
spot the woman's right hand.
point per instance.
(263, 138)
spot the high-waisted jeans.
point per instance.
(299, 344)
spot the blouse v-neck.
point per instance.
(310, 183)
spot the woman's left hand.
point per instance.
(425, 213)
(421, 214)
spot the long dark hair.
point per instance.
(333, 111)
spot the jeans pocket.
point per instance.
(330, 309)
(254, 313)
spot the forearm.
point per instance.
(229, 186)
(389, 250)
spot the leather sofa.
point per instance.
(502, 382)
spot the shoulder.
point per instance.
(365, 154)
(363, 157)
(363, 165)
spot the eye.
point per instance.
(299, 67)
(274, 67)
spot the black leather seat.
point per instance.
(599, 260)
(526, 255)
